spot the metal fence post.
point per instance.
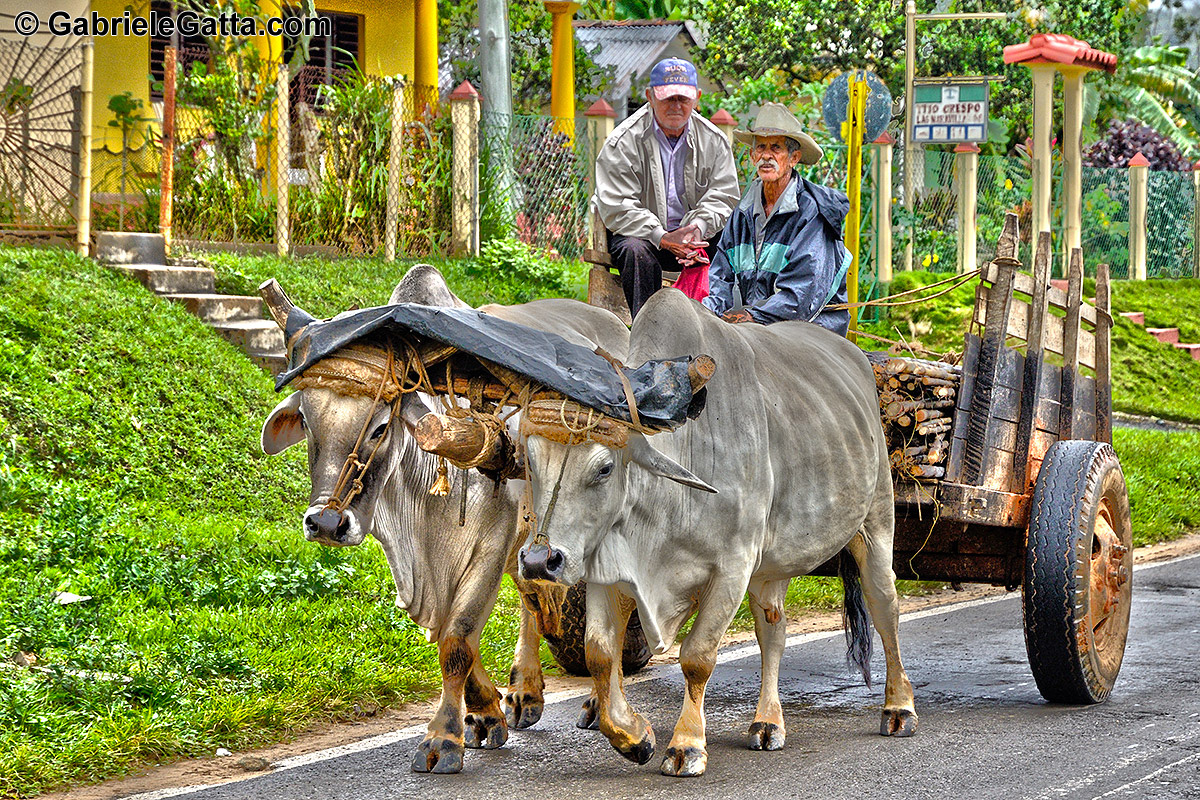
(1139, 169)
(395, 158)
(967, 156)
(283, 162)
(464, 206)
(1196, 220)
(883, 207)
(166, 192)
(83, 214)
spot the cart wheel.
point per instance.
(567, 648)
(1078, 573)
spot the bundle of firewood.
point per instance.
(916, 405)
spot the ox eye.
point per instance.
(604, 472)
(379, 430)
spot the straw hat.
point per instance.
(774, 119)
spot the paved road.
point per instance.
(984, 731)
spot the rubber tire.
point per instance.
(567, 648)
(1076, 479)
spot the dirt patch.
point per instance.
(326, 735)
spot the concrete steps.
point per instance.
(237, 318)
(1165, 335)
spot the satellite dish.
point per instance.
(837, 102)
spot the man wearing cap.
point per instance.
(783, 242)
(665, 183)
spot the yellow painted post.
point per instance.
(856, 120)
(464, 207)
(425, 55)
(1139, 169)
(884, 146)
(391, 229)
(967, 156)
(1043, 118)
(270, 50)
(562, 66)
(283, 153)
(83, 210)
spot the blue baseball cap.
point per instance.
(674, 76)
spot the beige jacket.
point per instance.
(631, 190)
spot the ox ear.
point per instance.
(654, 462)
(412, 409)
(282, 428)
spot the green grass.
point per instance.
(1160, 471)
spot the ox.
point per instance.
(790, 436)
(447, 577)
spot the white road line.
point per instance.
(1151, 776)
(744, 651)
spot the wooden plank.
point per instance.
(1026, 284)
(988, 364)
(977, 505)
(1103, 361)
(1052, 338)
(604, 290)
(1071, 344)
(999, 474)
(1084, 415)
(1032, 368)
(1011, 369)
(962, 415)
(1006, 404)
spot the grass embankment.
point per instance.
(130, 473)
(1148, 377)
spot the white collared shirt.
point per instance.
(674, 157)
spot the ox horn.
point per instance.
(463, 441)
(287, 315)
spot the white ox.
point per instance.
(447, 576)
(791, 440)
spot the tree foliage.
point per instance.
(1127, 139)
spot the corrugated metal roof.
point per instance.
(631, 47)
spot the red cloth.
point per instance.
(693, 280)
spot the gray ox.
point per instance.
(447, 577)
(791, 438)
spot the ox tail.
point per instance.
(855, 618)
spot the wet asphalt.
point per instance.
(984, 733)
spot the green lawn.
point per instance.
(130, 473)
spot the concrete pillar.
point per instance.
(391, 224)
(910, 147)
(967, 158)
(884, 146)
(270, 50)
(725, 121)
(464, 206)
(166, 184)
(1139, 175)
(1043, 125)
(1072, 151)
(283, 158)
(562, 65)
(600, 121)
(83, 200)
(425, 53)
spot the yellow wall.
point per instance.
(123, 64)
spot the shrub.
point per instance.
(1127, 139)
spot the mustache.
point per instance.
(766, 161)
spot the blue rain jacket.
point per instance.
(797, 268)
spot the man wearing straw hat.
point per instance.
(665, 183)
(782, 246)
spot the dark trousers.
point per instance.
(641, 265)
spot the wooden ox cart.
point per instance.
(1014, 481)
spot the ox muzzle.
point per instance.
(541, 562)
(327, 526)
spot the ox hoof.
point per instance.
(684, 762)
(766, 736)
(439, 756)
(643, 750)
(589, 716)
(522, 709)
(484, 730)
(898, 722)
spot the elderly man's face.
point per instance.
(673, 112)
(772, 160)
